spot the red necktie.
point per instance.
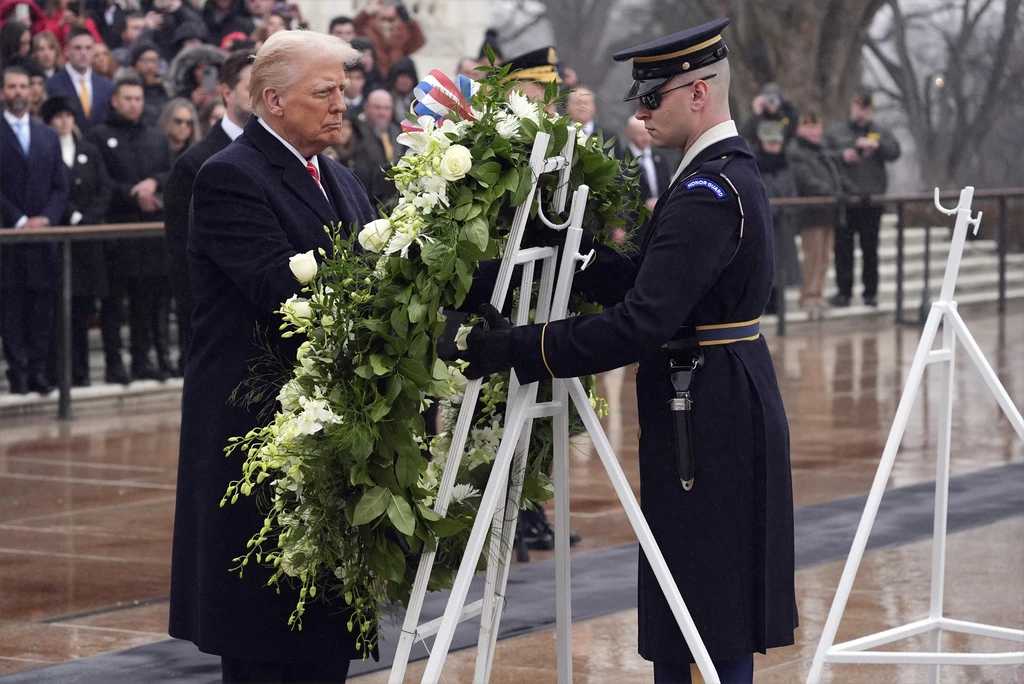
(313, 172)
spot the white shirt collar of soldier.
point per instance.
(230, 128)
(298, 155)
(717, 133)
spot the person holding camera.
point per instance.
(864, 148)
(770, 111)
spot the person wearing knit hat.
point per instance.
(145, 60)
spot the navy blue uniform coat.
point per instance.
(254, 206)
(729, 541)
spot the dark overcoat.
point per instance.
(90, 196)
(729, 541)
(254, 206)
(36, 185)
(133, 152)
(177, 200)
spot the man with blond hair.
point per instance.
(256, 203)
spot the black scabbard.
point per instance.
(684, 358)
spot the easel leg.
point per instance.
(643, 531)
(488, 505)
(942, 462)
(563, 582)
(867, 519)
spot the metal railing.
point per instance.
(64, 236)
(899, 204)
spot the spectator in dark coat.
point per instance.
(234, 89)
(33, 194)
(89, 201)
(15, 43)
(145, 60)
(816, 173)
(173, 14)
(864, 148)
(138, 161)
(770, 112)
(255, 205)
(89, 92)
(778, 182)
(655, 168)
(379, 146)
(368, 58)
(225, 16)
(401, 80)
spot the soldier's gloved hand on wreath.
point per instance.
(539, 235)
(487, 347)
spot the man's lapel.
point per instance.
(339, 193)
(293, 174)
(9, 140)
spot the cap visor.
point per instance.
(641, 88)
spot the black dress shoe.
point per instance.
(18, 383)
(840, 301)
(37, 382)
(146, 371)
(80, 381)
(116, 374)
(870, 300)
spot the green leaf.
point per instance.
(408, 466)
(446, 527)
(400, 322)
(522, 190)
(475, 232)
(487, 173)
(371, 506)
(414, 371)
(379, 409)
(381, 364)
(394, 388)
(440, 370)
(427, 514)
(416, 310)
(362, 443)
(419, 345)
(365, 371)
(375, 325)
(387, 559)
(401, 515)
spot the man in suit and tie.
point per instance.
(655, 167)
(89, 92)
(33, 194)
(234, 90)
(256, 203)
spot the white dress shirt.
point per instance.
(298, 155)
(15, 123)
(77, 78)
(232, 129)
(717, 133)
(646, 161)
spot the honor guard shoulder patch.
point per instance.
(702, 182)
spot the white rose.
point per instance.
(507, 125)
(375, 235)
(455, 163)
(298, 308)
(303, 266)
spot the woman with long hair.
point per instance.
(15, 43)
(47, 52)
(180, 124)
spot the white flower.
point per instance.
(462, 336)
(426, 202)
(417, 141)
(297, 308)
(456, 163)
(401, 240)
(461, 492)
(435, 184)
(507, 125)
(581, 137)
(315, 414)
(303, 266)
(375, 235)
(289, 396)
(455, 128)
(522, 107)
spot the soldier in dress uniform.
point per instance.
(718, 496)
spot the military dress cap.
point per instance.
(656, 61)
(539, 65)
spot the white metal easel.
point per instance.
(943, 312)
(499, 505)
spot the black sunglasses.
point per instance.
(652, 100)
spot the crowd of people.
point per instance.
(103, 98)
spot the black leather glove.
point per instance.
(489, 345)
(539, 235)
